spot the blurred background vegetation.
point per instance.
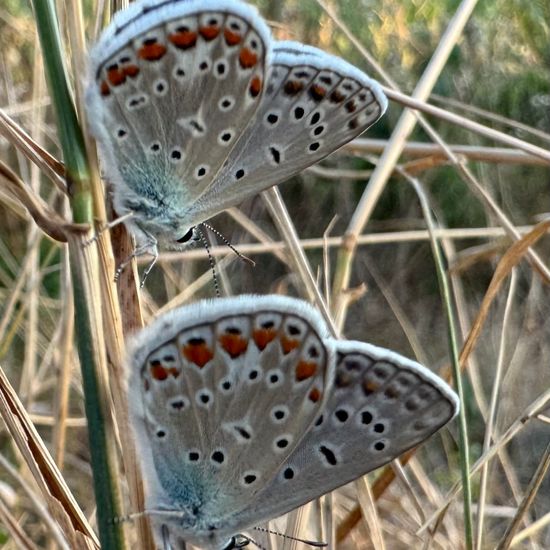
(498, 74)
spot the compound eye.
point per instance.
(239, 541)
(186, 237)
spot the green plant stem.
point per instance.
(83, 266)
(455, 363)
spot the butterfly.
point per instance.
(244, 409)
(195, 107)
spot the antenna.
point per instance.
(313, 543)
(210, 258)
(228, 244)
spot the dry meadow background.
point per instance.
(482, 189)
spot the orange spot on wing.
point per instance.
(263, 336)
(305, 370)
(209, 33)
(152, 52)
(293, 87)
(231, 38)
(337, 97)
(247, 58)
(158, 372)
(233, 344)
(183, 40)
(288, 344)
(314, 395)
(370, 387)
(131, 70)
(255, 86)
(198, 353)
(116, 77)
(317, 92)
(104, 88)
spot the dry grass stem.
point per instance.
(54, 490)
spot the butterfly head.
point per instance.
(173, 532)
(238, 541)
(186, 239)
(162, 234)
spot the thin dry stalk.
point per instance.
(491, 419)
(393, 237)
(467, 124)
(285, 225)
(61, 399)
(12, 524)
(512, 257)
(406, 484)
(48, 165)
(531, 530)
(367, 502)
(500, 155)
(531, 412)
(54, 490)
(369, 264)
(532, 491)
(326, 259)
(37, 502)
(492, 116)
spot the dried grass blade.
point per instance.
(532, 490)
(13, 527)
(61, 503)
(512, 257)
(368, 506)
(48, 164)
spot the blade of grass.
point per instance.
(457, 377)
(83, 268)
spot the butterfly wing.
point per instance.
(221, 393)
(381, 405)
(313, 104)
(173, 85)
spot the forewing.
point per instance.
(314, 103)
(221, 396)
(381, 405)
(173, 85)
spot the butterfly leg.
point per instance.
(107, 227)
(150, 247)
(166, 538)
(148, 269)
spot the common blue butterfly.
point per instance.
(196, 107)
(244, 409)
